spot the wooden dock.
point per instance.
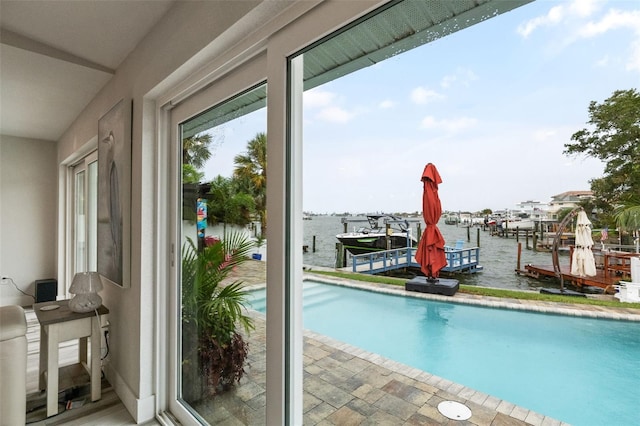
(611, 268)
(600, 280)
(458, 261)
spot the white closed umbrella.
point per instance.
(583, 264)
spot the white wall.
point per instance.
(166, 55)
(28, 192)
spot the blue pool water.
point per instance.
(579, 370)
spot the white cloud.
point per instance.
(461, 76)
(448, 125)
(317, 98)
(335, 115)
(421, 95)
(613, 20)
(634, 58)
(553, 17)
(577, 21)
(559, 14)
(544, 134)
(387, 104)
(325, 102)
(584, 8)
(603, 62)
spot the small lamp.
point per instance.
(85, 286)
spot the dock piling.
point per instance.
(341, 256)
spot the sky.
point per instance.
(491, 107)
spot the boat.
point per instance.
(451, 219)
(375, 237)
(518, 223)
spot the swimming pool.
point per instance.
(578, 370)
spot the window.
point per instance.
(85, 190)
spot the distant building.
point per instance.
(567, 200)
(534, 210)
(465, 218)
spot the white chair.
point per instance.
(630, 291)
(13, 366)
(635, 269)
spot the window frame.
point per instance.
(219, 90)
(227, 77)
(82, 165)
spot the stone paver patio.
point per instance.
(345, 385)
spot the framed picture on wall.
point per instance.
(114, 193)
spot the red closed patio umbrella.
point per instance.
(430, 254)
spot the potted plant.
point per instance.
(260, 240)
(213, 350)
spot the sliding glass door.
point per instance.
(218, 351)
(218, 200)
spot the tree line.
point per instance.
(235, 200)
(613, 136)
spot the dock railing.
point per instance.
(384, 260)
(462, 259)
(458, 260)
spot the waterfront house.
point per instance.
(567, 200)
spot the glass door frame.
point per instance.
(86, 166)
(262, 57)
(248, 74)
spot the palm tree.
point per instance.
(251, 168)
(627, 216)
(227, 204)
(213, 349)
(191, 175)
(195, 150)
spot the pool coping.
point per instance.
(569, 309)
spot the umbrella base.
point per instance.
(422, 284)
(559, 292)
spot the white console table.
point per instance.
(59, 325)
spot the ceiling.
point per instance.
(55, 56)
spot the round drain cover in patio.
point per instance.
(454, 410)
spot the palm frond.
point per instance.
(628, 217)
(216, 309)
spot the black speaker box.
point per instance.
(46, 290)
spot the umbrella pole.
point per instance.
(556, 241)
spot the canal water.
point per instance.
(498, 255)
